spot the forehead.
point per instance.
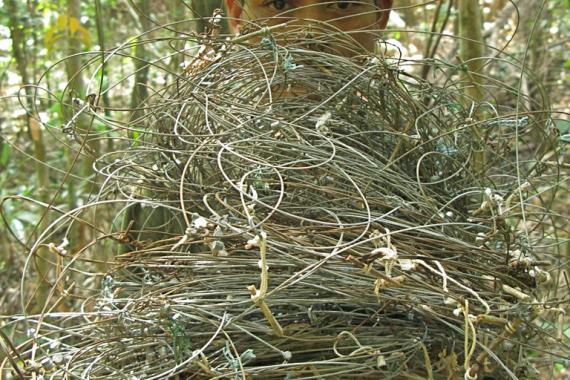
(302, 3)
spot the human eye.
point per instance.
(279, 5)
(343, 4)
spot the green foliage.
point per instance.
(180, 341)
(18, 218)
(55, 114)
(563, 127)
(4, 155)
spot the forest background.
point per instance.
(40, 164)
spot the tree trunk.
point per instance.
(32, 6)
(536, 36)
(101, 39)
(178, 14)
(203, 9)
(73, 62)
(534, 94)
(472, 47)
(407, 9)
(4, 151)
(73, 67)
(35, 134)
(82, 127)
(34, 129)
(140, 90)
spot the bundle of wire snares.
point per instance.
(290, 213)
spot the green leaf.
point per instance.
(17, 228)
(27, 190)
(567, 64)
(563, 126)
(565, 138)
(28, 217)
(454, 107)
(4, 155)
(55, 108)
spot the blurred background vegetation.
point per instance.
(41, 163)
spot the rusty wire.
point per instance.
(293, 213)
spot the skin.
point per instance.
(363, 19)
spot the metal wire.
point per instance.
(291, 213)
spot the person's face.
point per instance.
(362, 19)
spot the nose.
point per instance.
(316, 28)
(308, 21)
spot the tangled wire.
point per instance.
(289, 213)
